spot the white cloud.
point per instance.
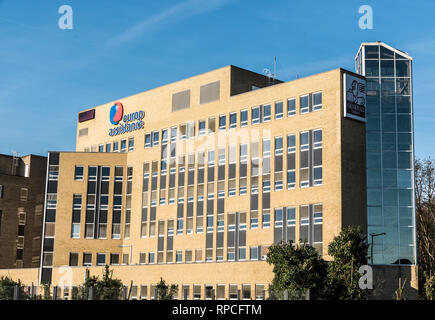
(178, 12)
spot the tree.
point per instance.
(107, 288)
(162, 290)
(349, 253)
(425, 216)
(7, 288)
(298, 269)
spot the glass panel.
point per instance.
(371, 52)
(387, 68)
(373, 104)
(402, 68)
(372, 68)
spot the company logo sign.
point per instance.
(354, 99)
(131, 122)
(116, 113)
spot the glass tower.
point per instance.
(389, 152)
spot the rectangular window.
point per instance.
(151, 258)
(164, 136)
(130, 144)
(179, 257)
(201, 128)
(73, 259)
(190, 129)
(243, 118)
(254, 219)
(317, 157)
(148, 140)
(173, 134)
(317, 101)
(115, 146)
(255, 115)
(278, 110)
(114, 259)
(291, 107)
(266, 112)
(108, 146)
(78, 173)
(101, 148)
(222, 122)
(211, 125)
(101, 259)
(87, 259)
(123, 145)
(155, 138)
(304, 104)
(253, 253)
(233, 120)
(266, 218)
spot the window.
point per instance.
(155, 141)
(222, 122)
(291, 164)
(233, 120)
(78, 173)
(108, 146)
(190, 129)
(75, 231)
(53, 172)
(278, 110)
(142, 258)
(317, 157)
(246, 291)
(266, 112)
(233, 292)
(266, 218)
(304, 104)
(173, 134)
(130, 144)
(253, 253)
(196, 292)
(148, 140)
(255, 116)
(243, 118)
(151, 258)
(317, 101)
(278, 217)
(179, 257)
(101, 148)
(114, 258)
(115, 146)
(164, 136)
(123, 145)
(73, 259)
(291, 107)
(101, 259)
(254, 219)
(201, 128)
(211, 125)
(87, 259)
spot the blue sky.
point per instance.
(119, 48)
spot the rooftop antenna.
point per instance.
(271, 76)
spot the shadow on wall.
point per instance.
(387, 281)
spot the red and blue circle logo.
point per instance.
(116, 113)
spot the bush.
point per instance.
(429, 288)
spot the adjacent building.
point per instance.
(390, 153)
(22, 191)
